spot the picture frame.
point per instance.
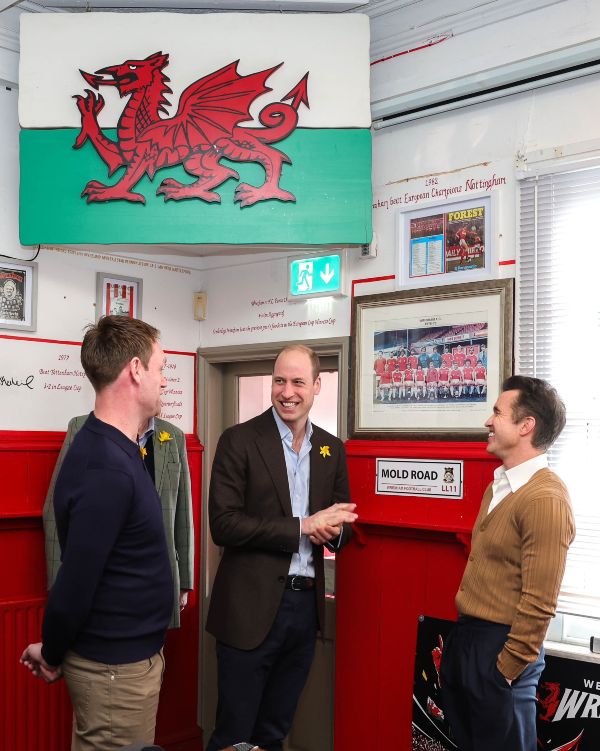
(118, 295)
(445, 326)
(446, 243)
(18, 295)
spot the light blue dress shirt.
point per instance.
(298, 472)
(143, 439)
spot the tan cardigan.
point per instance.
(516, 565)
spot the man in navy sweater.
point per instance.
(108, 611)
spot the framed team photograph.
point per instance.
(118, 295)
(445, 243)
(18, 295)
(429, 363)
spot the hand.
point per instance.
(326, 524)
(183, 598)
(33, 660)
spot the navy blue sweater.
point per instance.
(113, 596)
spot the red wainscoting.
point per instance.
(406, 560)
(34, 716)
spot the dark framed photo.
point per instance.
(18, 295)
(446, 243)
(429, 363)
(118, 296)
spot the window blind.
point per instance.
(559, 340)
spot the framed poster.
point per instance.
(18, 295)
(429, 363)
(118, 296)
(445, 243)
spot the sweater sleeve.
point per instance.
(96, 517)
(547, 529)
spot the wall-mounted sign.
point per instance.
(220, 128)
(42, 385)
(435, 478)
(313, 276)
(568, 697)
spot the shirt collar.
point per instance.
(284, 430)
(143, 439)
(522, 473)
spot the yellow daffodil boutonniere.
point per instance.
(143, 452)
(324, 451)
(163, 437)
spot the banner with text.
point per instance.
(42, 385)
(568, 698)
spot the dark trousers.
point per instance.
(259, 688)
(484, 712)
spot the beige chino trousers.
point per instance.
(113, 705)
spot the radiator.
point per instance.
(35, 716)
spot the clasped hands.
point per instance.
(326, 524)
(33, 660)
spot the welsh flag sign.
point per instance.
(210, 128)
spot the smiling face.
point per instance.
(504, 439)
(293, 388)
(10, 289)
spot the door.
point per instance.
(243, 391)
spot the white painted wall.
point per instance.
(479, 143)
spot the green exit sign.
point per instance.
(317, 275)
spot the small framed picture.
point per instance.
(429, 363)
(18, 295)
(118, 295)
(445, 244)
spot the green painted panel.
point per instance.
(330, 176)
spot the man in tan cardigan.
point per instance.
(493, 659)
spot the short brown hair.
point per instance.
(111, 343)
(538, 399)
(313, 356)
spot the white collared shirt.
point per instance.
(147, 436)
(510, 480)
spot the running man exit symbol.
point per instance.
(305, 276)
(320, 275)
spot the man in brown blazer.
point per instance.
(493, 659)
(278, 493)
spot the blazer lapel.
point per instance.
(160, 458)
(319, 458)
(270, 447)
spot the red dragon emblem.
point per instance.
(548, 696)
(205, 129)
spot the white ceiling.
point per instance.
(396, 25)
